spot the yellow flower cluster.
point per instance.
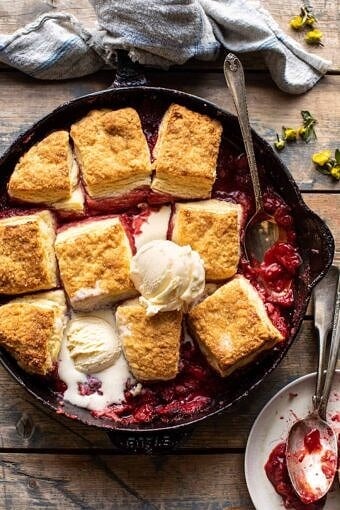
(306, 132)
(306, 19)
(288, 135)
(327, 165)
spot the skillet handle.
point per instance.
(157, 442)
(129, 74)
(318, 243)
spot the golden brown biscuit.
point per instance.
(31, 330)
(94, 262)
(46, 173)
(112, 152)
(27, 260)
(232, 326)
(150, 344)
(211, 227)
(186, 153)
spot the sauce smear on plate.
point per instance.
(277, 473)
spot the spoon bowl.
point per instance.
(260, 233)
(312, 452)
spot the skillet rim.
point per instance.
(324, 231)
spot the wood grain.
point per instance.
(328, 15)
(16, 13)
(24, 100)
(25, 424)
(212, 482)
(63, 464)
(327, 207)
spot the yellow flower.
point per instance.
(303, 131)
(310, 20)
(321, 158)
(279, 144)
(297, 22)
(289, 134)
(335, 172)
(314, 36)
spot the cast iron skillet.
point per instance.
(314, 238)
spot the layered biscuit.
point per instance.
(74, 205)
(94, 262)
(232, 326)
(46, 173)
(112, 152)
(150, 344)
(27, 260)
(212, 228)
(186, 153)
(31, 330)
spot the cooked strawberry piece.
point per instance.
(144, 413)
(286, 255)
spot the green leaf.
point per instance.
(311, 135)
(337, 156)
(306, 116)
(323, 170)
(308, 122)
(303, 14)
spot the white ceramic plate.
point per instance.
(271, 427)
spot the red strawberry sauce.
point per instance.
(312, 441)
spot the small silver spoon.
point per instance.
(312, 449)
(261, 231)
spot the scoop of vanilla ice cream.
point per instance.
(168, 276)
(92, 343)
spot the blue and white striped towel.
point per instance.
(159, 33)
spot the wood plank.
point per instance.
(24, 100)
(25, 424)
(213, 482)
(16, 13)
(328, 17)
(327, 207)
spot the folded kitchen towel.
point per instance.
(159, 33)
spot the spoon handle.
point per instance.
(324, 298)
(333, 357)
(234, 76)
(320, 380)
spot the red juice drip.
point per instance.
(312, 442)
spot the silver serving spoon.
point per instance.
(261, 231)
(312, 449)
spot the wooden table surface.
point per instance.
(50, 462)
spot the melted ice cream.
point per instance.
(113, 379)
(155, 227)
